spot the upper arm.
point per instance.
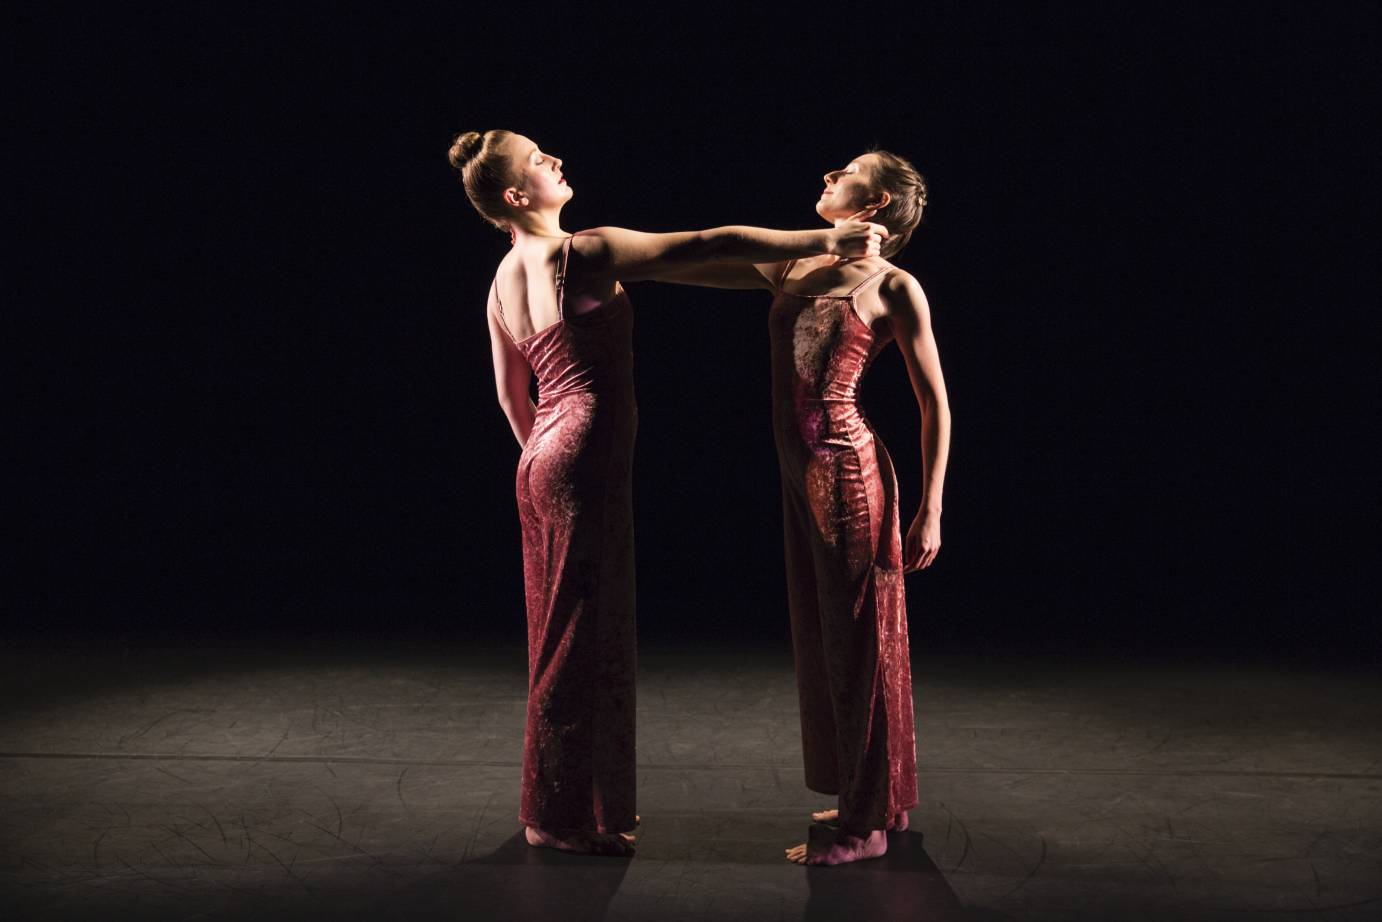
(511, 369)
(910, 315)
(721, 275)
(617, 253)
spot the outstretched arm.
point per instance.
(512, 375)
(630, 256)
(724, 275)
(757, 273)
(911, 319)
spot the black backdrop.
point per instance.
(254, 388)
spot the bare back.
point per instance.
(525, 290)
(527, 281)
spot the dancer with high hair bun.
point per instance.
(830, 317)
(557, 311)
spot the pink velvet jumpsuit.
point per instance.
(575, 506)
(844, 560)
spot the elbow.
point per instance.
(935, 408)
(943, 419)
(516, 405)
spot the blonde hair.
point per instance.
(485, 172)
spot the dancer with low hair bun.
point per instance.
(557, 311)
(845, 553)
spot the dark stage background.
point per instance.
(254, 394)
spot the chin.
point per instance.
(830, 214)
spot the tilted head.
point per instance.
(506, 175)
(878, 180)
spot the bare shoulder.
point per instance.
(593, 243)
(492, 300)
(595, 249)
(494, 308)
(902, 293)
(905, 303)
(503, 281)
(901, 284)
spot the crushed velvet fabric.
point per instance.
(575, 506)
(844, 561)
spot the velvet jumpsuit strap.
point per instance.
(786, 268)
(561, 276)
(503, 321)
(860, 287)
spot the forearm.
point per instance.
(740, 243)
(935, 451)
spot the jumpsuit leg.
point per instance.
(818, 733)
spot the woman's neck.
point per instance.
(547, 224)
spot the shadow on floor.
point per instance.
(903, 884)
(518, 882)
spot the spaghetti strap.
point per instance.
(561, 276)
(503, 321)
(858, 288)
(786, 268)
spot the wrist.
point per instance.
(827, 243)
(930, 512)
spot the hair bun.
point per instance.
(464, 148)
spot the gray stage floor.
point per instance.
(208, 784)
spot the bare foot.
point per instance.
(618, 844)
(898, 822)
(842, 848)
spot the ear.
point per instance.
(514, 199)
(883, 200)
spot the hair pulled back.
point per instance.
(485, 172)
(906, 190)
